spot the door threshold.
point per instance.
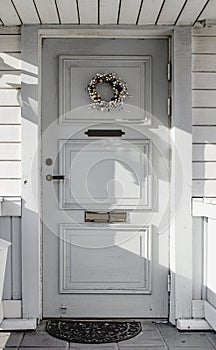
(147, 320)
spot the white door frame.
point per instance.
(181, 136)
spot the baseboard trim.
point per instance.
(193, 325)
(11, 324)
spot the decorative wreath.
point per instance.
(119, 87)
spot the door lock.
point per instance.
(63, 309)
(50, 177)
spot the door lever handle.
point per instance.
(50, 177)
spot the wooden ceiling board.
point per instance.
(191, 11)
(170, 13)
(129, 11)
(141, 12)
(209, 12)
(67, 11)
(27, 11)
(88, 11)
(109, 11)
(47, 11)
(150, 11)
(8, 13)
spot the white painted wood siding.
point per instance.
(10, 112)
(204, 112)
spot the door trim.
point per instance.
(181, 136)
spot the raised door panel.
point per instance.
(107, 259)
(75, 74)
(105, 174)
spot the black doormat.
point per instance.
(93, 332)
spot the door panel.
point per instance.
(114, 259)
(105, 174)
(103, 269)
(76, 72)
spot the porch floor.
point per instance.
(154, 336)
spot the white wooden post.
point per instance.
(30, 175)
(181, 178)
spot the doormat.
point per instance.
(93, 332)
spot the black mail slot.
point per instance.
(104, 133)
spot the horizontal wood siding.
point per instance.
(204, 112)
(10, 112)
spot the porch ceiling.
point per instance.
(133, 12)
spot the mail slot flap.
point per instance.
(105, 216)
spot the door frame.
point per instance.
(181, 135)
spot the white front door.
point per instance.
(106, 217)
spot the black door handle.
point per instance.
(50, 177)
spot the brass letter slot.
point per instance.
(104, 133)
(91, 216)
